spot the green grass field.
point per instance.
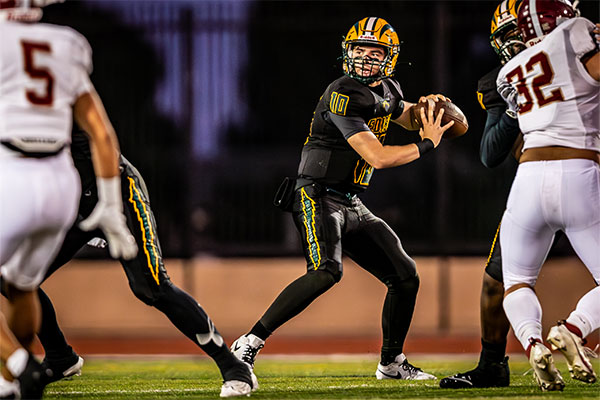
(301, 378)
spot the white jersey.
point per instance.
(558, 99)
(43, 70)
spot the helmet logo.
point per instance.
(367, 37)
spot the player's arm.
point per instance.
(499, 136)
(108, 215)
(366, 144)
(90, 115)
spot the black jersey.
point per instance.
(327, 158)
(487, 92)
(500, 130)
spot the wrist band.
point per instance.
(424, 146)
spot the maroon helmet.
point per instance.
(23, 10)
(537, 18)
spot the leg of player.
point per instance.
(523, 253)
(323, 265)
(492, 369)
(22, 375)
(291, 301)
(581, 209)
(375, 247)
(149, 281)
(60, 357)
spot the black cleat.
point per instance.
(63, 367)
(483, 376)
(33, 379)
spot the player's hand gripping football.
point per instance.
(432, 125)
(108, 216)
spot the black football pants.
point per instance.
(146, 273)
(331, 224)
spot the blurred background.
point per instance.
(212, 102)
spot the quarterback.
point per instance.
(345, 144)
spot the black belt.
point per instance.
(302, 182)
(31, 154)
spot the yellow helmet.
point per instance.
(371, 31)
(505, 35)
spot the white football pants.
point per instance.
(39, 198)
(547, 196)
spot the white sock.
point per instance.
(8, 388)
(587, 313)
(17, 362)
(524, 313)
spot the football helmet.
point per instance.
(505, 36)
(537, 18)
(23, 10)
(371, 31)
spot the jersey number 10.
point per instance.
(35, 72)
(539, 81)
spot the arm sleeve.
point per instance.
(349, 126)
(581, 37)
(499, 135)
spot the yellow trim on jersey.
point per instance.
(146, 227)
(493, 245)
(480, 99)
(314, 250)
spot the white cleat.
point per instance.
(74, 370)
(235, 388)
(572, 348)
(9, 390)
(246, 348)
(401, 369)
(544, 370)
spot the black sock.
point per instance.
(492, 352)
(50, 335)
(388, 357)
(259, 330)
(397, 314)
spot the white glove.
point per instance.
(98, 243)
(509, 94)
(108, 216)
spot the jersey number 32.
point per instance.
(541, 80)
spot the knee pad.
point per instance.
(396, 284)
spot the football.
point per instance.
(451, 113)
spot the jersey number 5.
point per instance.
(36, 72)
(539, 81)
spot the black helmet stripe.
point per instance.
(385, 28)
